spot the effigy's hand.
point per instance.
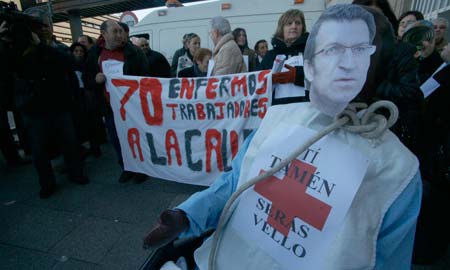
(170, 225)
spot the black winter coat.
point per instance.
(428, 66)
(191, 72)
(400, 84)
(45, 81)
(174, 66)
(159, 66)
(6, 78)
(279, 47)
(432, 235)
(135, 64)
(435, 157)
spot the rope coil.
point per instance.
(370, 125)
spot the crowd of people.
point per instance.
(57, 94)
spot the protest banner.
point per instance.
(186, 129)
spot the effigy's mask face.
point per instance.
(341, 60)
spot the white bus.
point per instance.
(165, 27)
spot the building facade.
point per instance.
(432, 8)
(90, 25)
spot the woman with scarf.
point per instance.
(289, 40)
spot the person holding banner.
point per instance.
(289, 40)
(113, 47)
(350, 201)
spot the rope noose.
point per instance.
(370, 126)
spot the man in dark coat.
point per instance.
(159, 66)
(44, 87)
(112, 46)
(7, 144)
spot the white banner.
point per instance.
(186, 129)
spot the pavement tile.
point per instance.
(23, 213)
(72, 197)
(170, 186)
(35, 228)
(15, 258)
(128, 252)
(17, 185)
(104, 170)
(90, 241)
(35, 236)
(132, 205)
(72, 264)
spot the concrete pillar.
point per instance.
(75, 25)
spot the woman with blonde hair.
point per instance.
(289, 40)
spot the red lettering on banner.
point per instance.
(212, 85)
(200, 111)
(172, 136)
(247, 109)
(239, 83)
(132, 85)
(236, 109)
(134, 140)
(187, 88)
(173, 106)
(154, 87)
(289, 196)
(262, 104)
(220, 115)
(213, 143)
(234, 141)
(262, 77)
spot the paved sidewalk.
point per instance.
(97, 226)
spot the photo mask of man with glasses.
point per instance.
(337, 58)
